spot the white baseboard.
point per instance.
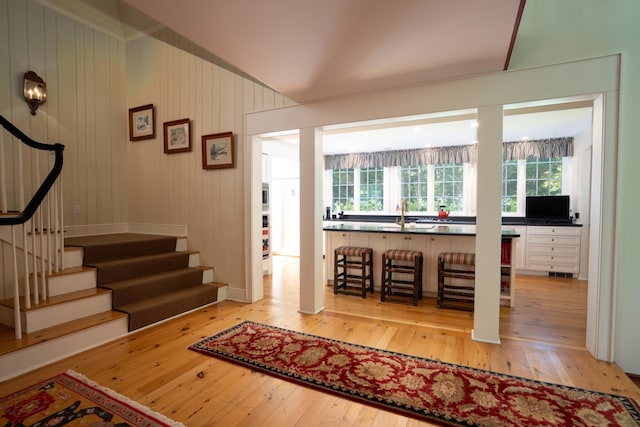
(236, 294)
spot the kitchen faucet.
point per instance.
(404, 210)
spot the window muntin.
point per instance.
(543, 176)
(426, 187)
(414, 187)
(448, 183)
(510, 186)
(342, 190)
(371, 190)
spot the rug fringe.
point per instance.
(130, 402)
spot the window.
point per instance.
(413, 187)
(342, 185)
(510, 186)
(371, 190)
(448, 184)
(544, 176)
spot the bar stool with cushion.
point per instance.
(458, 291)
(353, 270)
(401, 275)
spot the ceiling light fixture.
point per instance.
(35, 91)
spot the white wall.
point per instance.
(285, 196)
(173, 188)
(558, 31)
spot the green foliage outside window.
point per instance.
(413, 187)
(544, 176)
(448, 185)
(342, 195)
(371, 190)
(510, 186)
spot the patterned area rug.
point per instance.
(72, 399)
(431, 390)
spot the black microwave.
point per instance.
(265, 196)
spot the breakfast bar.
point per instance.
(430, 239)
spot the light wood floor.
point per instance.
(542, 338)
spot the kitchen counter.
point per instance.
(418, 229)
(428, 238)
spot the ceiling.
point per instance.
(310, 50)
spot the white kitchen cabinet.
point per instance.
(553, 249)
(520, 261)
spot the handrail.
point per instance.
(31, 207)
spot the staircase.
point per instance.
(111, 285)
(151, 277)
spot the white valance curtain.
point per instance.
(554, 147)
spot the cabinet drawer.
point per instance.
(554, 259)
(560, 268)
(554, 240)
(553, 250)
(554, 231)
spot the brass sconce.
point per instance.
(35, 91)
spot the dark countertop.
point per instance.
(421, 228)
(452, 220)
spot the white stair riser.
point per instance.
(35, 320)
(207, 275)
(66, 283)
(18, 362)
(73, 257)
(222, 294)
(194, 260)
(181, 244)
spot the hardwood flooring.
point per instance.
(542, 338)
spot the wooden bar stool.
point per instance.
(353, 270)
(458, 291)
(401, 262)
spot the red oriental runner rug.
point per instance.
(423, 388)
(72, 399)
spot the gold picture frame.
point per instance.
(177, 136)
(142, 123)
(218, 151)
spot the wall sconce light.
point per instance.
(35, 91)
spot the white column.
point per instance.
(311, 295)
(486, 316)
(253, 249)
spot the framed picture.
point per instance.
(218, 151)
(142, 123)
(177, 136)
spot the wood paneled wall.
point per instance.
(84, 70)
(93, 78)
(173, 188)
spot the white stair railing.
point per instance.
(37, 248)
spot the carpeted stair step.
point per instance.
(133, 290)
(109, 247)
(123, 269)
(151, 310)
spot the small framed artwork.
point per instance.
(142, 123)
(218, 151)
(177, 136)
